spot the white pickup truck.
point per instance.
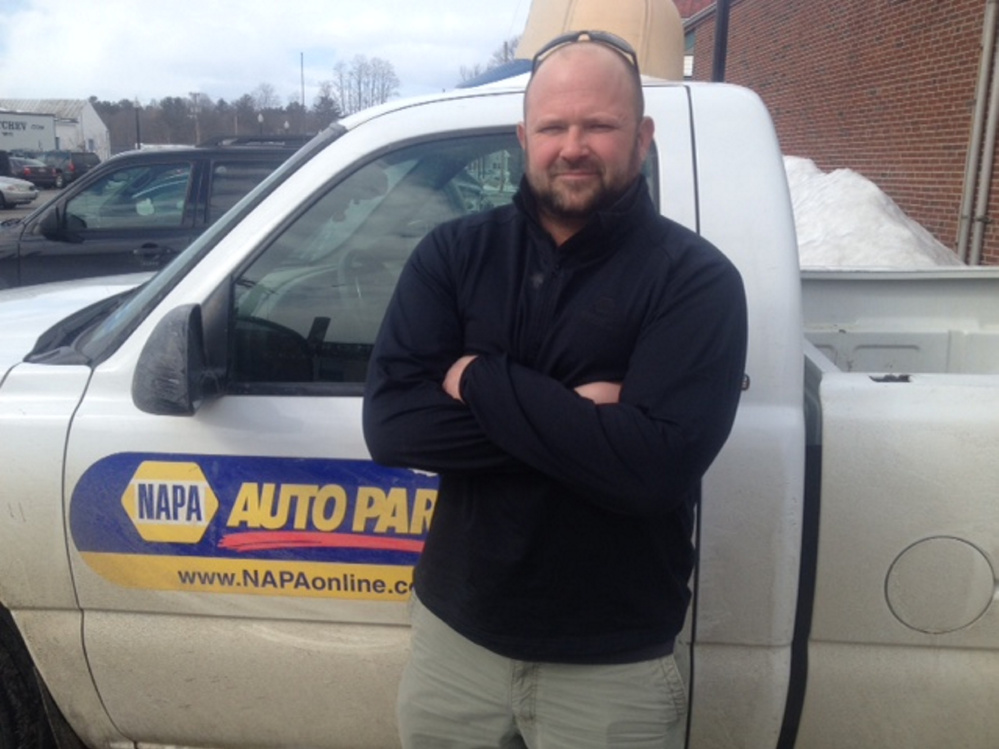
(196, 550)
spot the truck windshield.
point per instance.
(104, 337)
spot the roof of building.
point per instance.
(66, 109)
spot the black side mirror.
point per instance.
(50, 225)
(171, 377)
(58, 225)
(72, 226)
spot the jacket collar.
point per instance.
(604, 229)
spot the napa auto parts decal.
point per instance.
(249, 525)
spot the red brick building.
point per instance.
(887, 88)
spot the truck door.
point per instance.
(133, 219)
(244, 570)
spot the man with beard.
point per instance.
(570, 365)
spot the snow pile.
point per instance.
(843, 220)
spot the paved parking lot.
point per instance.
(44, 196)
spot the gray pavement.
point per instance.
(44, 196)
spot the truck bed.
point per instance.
(903, 323)
(900, 539)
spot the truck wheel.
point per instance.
(22, 714)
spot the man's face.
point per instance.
(582, 135)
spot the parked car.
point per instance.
(14, 191)
(34, 170)
(70, 165)
(136, 211)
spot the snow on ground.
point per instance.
(843, 220)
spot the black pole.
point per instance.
(721, 40)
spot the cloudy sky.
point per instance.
(149, 49)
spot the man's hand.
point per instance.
(601, 393)
(452, 380)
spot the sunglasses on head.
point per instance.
(605, 38)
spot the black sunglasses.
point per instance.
(616, 43)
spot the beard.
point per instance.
(569, 201)
(575, 202)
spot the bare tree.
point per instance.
(265, 97)
(175, 113)
(199, 105)
(468, 74)
(384, 81)
(295, 115)
(325, 107)
(364, 84)
(195, 118)
(268, 106)
(245, 115)
(501, 56)
(504, 53)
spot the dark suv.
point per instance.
(135, 212)
(70, 165)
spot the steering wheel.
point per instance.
(352, 269)
(266, 351)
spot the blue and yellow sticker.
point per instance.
(250, 525)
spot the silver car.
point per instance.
(15, 191)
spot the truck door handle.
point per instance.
(152, 252)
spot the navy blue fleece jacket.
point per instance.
(562, 528)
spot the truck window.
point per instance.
(139, 196)
(232, 180)
(309, 306)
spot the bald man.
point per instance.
(570, 365)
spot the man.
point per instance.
(570, 365)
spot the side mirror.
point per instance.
(50, 224)
(171, 377)
(58, 225)
(72, 226)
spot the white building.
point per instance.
(78, 127)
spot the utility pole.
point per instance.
(138, 129)
(721, 41)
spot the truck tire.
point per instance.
(23, 724)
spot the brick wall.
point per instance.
(883, 87)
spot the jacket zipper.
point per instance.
(542, 319)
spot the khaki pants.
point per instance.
(457, 694)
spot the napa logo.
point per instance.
(170, 502)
